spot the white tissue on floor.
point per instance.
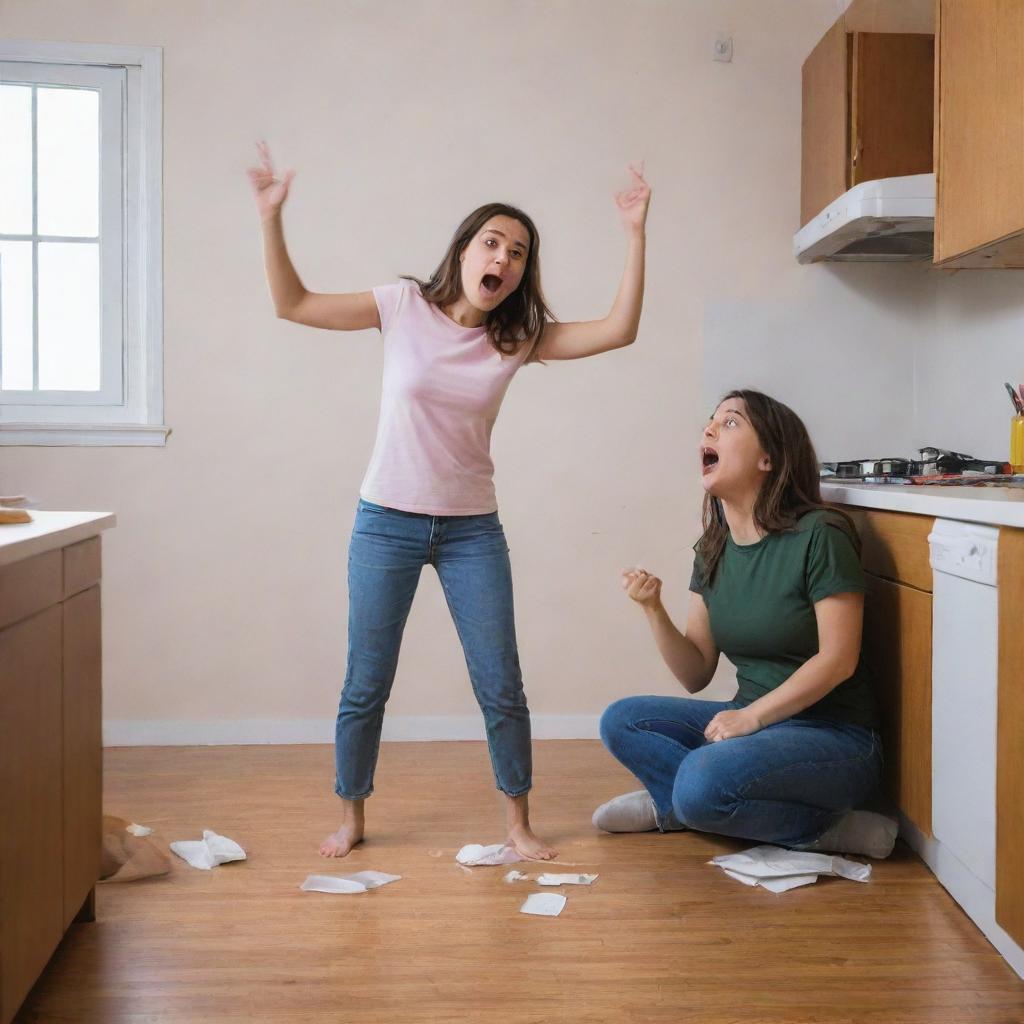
(549, 879)
(479, 856)
(209, 851)
(543, 904)
(360, 881)
(138, 830)
(516, 876)
(776, 885)
(779, 870)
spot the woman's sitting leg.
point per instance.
(790, 784)
(651, 736)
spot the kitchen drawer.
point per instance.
(29, 586)
(895, 545)
(81, 566)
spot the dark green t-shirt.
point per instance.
(761, 607)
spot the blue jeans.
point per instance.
(387, 552)
(786, 784)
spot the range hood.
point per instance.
(876, 221)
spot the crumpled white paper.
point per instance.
(550, 879)
(543, 904)
(776, 885)
(479, 856)
(779, 870)
(138, 830)
(360, 881)
(516, 876)
(209, 851)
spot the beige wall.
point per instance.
(224, 597)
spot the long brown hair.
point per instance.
(519, 319)
(792, 486)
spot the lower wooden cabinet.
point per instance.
(898, 649)
(1010, 738)
(31, 869)
(51, 768)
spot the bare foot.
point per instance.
(340, 843)
(526, 844)
(349, 834)
(520, 836)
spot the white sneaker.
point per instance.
(631, 812)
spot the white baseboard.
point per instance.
(976, 898)
(128, 732)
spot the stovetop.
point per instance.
(934, 465)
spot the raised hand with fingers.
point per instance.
(269, 189)
(642, 587)
(634, 201)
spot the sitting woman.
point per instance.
(777, 586)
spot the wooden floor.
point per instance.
(661, 936)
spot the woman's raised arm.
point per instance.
(345, 311)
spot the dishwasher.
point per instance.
(965, 643)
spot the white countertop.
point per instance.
(49, 530)
(997, 506)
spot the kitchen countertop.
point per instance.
(49, 530)
(996, 506)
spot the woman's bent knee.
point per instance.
(701, 800)
(617, 718)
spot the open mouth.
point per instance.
(491, 284)
(709, 459)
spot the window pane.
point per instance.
(15, 160)
(69, 316)
(68, 140)
(16, 315)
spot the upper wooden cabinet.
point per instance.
(979, 151)
(868, 102)
(900, 87)
(892, 93)
(824, 158)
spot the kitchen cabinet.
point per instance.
(50, 755)
(979, 151)
(950, 819)
(898, 650)
(1010, 737)
(868, 103)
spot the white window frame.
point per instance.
(129, 410)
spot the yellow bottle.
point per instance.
(1017, 444)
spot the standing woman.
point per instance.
(451, 347)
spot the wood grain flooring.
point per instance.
(661, 937)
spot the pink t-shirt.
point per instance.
(442, 389)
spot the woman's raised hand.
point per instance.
(270, 190)
(634, 201)
(642, 587)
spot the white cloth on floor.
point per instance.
(779, 870)
(209, 851)
(138, 830)
(550, 879)
(479, 856)
(543, 904)
(360, 881)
